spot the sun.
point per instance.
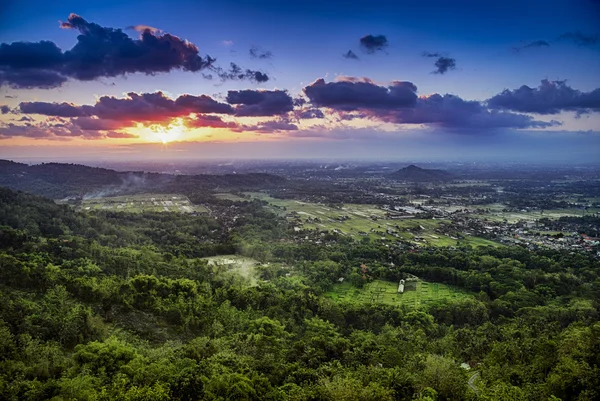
(169, 133)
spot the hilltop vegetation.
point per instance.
(418, 174)
(103, 305)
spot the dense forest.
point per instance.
(110, 305)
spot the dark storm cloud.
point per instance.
(257, 52)
(144, 107)
(451, 111)
(350, 55)
(236, 73)
(4, 109)
(257, 103)
(444, 64)
(579, 38)
(551, 97)
(107, 52)
(373, 43)
(534, 44)
(354, 94)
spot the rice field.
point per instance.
(386, 292)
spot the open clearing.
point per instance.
(386, 292)
(361, 221)
(143, 203)
(496, 213)
(244, 266)
(229, 196)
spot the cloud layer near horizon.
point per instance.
(324, 106)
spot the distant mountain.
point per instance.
(58, 180)
(418, 174)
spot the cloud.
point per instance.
(236, 73)
(309, 113)
(269, 127)
(52, 109)
(260, 102)
(534, 44)
(397, 103)
(428, 54)
(4, 109)
(350, 55)
(108, 52)
(551, 97)
(97, 124)
(56, 130)
(579, 38)
(227, 43)
(350, 94)
(203, 121)
(99, 52)
(142, 28)
(444, 64)
(373, 43)
(113, 113)
(258, 53)
(451, 111)
(30, 78)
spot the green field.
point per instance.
(386, 292)
(245, 267)
(365, 221)
(496, 213)
(229, 196)
(143, 203)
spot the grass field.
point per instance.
(496, 213)
(365, 221)
(143, 203)
(386, 292)
(229, 196)
(245, 267)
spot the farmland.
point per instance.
(365, 221)
(143, 203)
(386, 292)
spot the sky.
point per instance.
(435, 80)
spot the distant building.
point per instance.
(409, 284)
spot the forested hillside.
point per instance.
(60, 180)
(109, 305)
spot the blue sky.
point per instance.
(307, 40)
